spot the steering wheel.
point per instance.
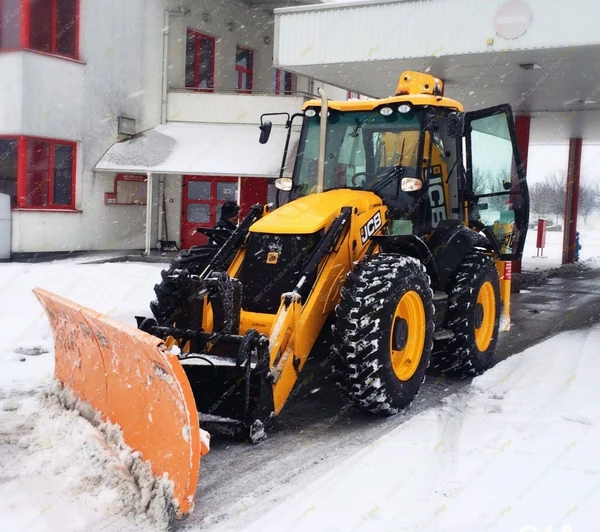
(358, 174)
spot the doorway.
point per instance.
(202, 197)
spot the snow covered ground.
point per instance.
(518, 448)
(589, 240)
(517, 451)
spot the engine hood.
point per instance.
(310, 214)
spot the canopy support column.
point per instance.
(572, 200)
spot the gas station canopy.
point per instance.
(542, 57)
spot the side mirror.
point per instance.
(265, 131)
(284, 183)
(456, 125)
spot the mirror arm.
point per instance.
(288, 126)
(274, 114)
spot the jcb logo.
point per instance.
(436, 196)
(368, 230)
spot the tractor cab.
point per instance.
(427, 159)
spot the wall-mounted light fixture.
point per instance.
(267, 39)
(230, 26)
(126, 126)
(206, 17)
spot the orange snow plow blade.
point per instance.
(129, 378)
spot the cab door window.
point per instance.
(498, 188)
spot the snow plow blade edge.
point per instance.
(126, 376)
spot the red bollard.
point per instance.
(541, 237)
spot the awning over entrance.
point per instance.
(201, 149)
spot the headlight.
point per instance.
(410, 184)
(284, 183)
(404, 108)
(386, 111)
(310, 113)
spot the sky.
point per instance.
(544, 160)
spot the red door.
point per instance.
(253, 190)
(202, 198)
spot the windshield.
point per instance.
(364, 150)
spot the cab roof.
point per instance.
(369, 105)
(415, 88)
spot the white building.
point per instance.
(194, 75)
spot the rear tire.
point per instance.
(167, 307)
(383, 333)
(473, 316)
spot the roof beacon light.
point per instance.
(419, 83)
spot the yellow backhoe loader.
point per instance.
(399, 225)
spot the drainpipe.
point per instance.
(322, 138)
(161, 202)
(148, 214)
(165, 63)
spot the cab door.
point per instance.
(497, 195)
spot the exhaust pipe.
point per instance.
(322, 139)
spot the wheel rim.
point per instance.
(485, 316)
(407, 336)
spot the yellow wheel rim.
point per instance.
(407, 336)
(485, 316)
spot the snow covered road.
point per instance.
(517, 448)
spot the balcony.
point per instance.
(227, 107)
(41, 95)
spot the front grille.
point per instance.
(272, 266)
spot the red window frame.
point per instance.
(285, 79)
(22, 166)
(25, 22)
(197, 50)
(110, 198)
(244, 70)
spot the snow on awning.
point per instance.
(201, 149)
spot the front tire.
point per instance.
(383, 333)
(473, 316)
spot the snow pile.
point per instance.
(78, 470)
(145, 149)
(538, 277)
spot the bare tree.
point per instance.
(549, 196)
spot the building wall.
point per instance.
(120, 74)
(251, 26)
(186, 106)
(11, 89)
